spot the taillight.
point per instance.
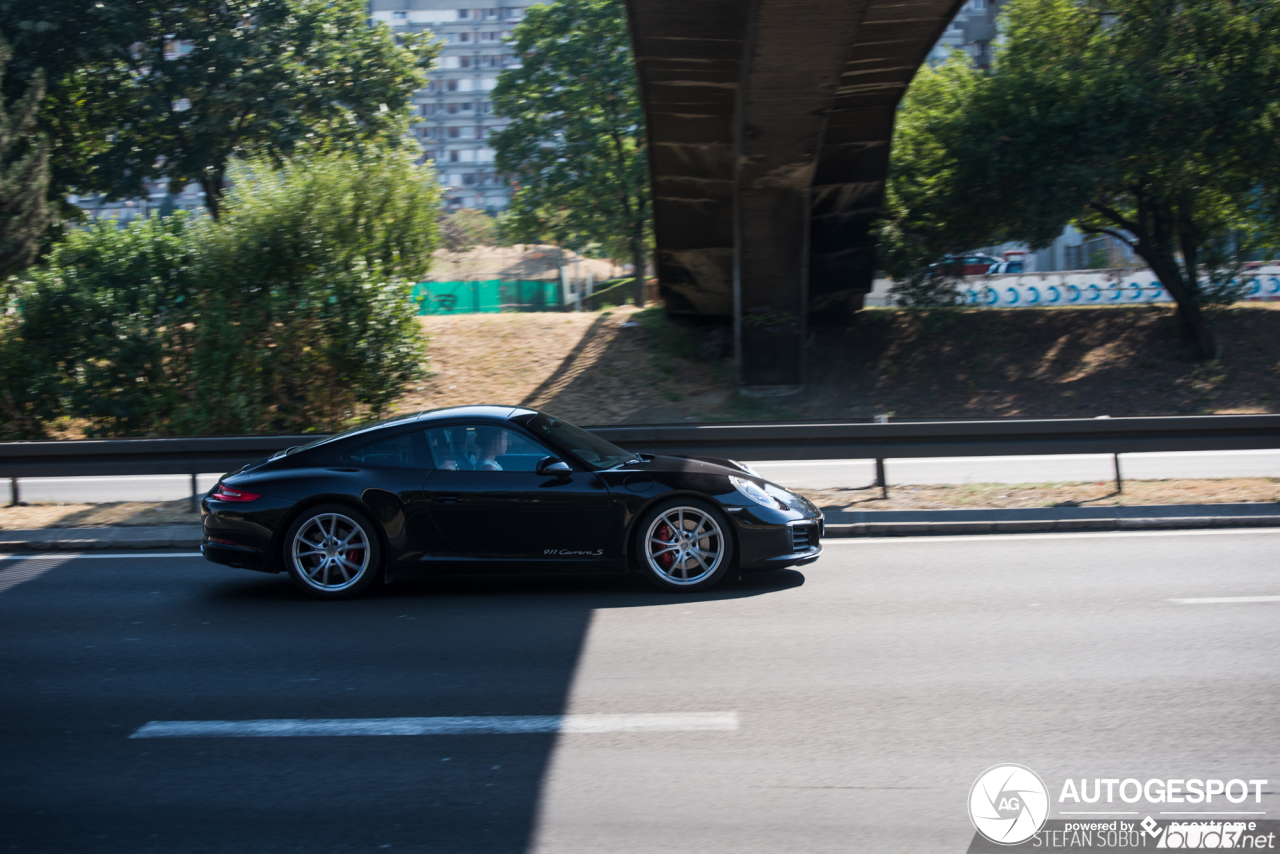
(226, 493)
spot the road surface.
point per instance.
(848, 706)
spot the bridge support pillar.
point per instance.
(769, 124)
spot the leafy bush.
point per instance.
(105, 331)
(309, 322)
(292, 312)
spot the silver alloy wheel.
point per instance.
(331, 552)
(684, 545)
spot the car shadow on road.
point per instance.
(434, 648)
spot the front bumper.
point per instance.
(773, 546)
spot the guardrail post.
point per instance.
(880, 478)
(195, 495)
(13, 492)
(1119, 483)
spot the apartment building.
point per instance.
(453, 115)
(973, 30)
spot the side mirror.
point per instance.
(553, 467)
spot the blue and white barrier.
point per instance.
(1086, 288)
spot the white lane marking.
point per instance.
(675, 722)
(964, 538)
(25, 572)
(1225, 600)
(69, 555)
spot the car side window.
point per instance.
(483, 448)
(404, 451)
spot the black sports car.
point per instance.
(497, 489)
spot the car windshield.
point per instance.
(592, 450)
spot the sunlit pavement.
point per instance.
(847, 706)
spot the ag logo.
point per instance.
(1008, 804)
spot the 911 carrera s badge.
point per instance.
(572, 552)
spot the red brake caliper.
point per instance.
(666, 558)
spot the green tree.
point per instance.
(467, 228)
(161, 89)
(576, 142)
(292, 312)
(24, 180)
(1156, 122)
(105, 331)
(307, 322)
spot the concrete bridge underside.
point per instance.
(769, 129)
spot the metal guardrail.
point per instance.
(811, 440)
(819, 440)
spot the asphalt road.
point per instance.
(869, 689)
(805, 474)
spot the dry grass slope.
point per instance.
(627, 366)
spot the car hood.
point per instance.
(688, 465)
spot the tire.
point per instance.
(332, 551)
(684, 564)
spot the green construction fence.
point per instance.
(486, 297)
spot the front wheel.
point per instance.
(684, 545)
(332, 552)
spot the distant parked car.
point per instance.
(1012, 266)
(975, 264)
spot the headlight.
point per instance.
(748, 469)
(757, 493)
(785, 496)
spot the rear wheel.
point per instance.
(684, 545)
(332, 552)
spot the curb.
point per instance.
(98, 539)
(1167, 523)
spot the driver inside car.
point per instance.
(493, 444)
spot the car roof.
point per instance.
(486, 411)
(482, 412)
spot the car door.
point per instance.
(492, 506)
(391, 471)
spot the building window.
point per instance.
(466, 108)
(464, 37)
(463, 14)
(514, 13)
(468, 179)
(453, 155)
(399, 17)
(451, 86)
(455, 133)
(464, 62)
(491, 36)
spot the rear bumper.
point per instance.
(242, 557)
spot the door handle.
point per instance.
(449, 499)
